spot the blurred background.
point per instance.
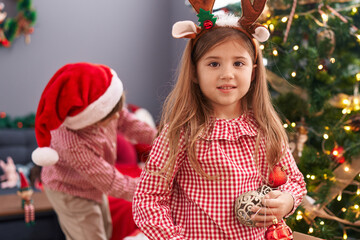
(132, 37)
(313, 69)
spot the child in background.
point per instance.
(219, 138)
(79, 115)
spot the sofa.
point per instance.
(19, 144)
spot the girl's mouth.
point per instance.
(226, 87)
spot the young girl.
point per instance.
(79, 115)
(219, 137)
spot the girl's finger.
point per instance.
(273, 194)
(262, 219)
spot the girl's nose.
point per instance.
(227, 73)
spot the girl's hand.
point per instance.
(277, 205)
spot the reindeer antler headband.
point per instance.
(246, 24)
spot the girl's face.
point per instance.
(224, 76)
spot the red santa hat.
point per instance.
(24, 184)
(78, 95)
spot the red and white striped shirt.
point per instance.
(87, 157)
(192, 207)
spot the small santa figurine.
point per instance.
(25, 193)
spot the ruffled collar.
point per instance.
(231, 129)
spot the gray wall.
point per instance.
(133, 37)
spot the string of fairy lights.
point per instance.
(348, 104)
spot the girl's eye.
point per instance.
(238, 64)
(214, 64)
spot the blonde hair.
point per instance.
(187, 112)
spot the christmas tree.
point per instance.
(313, 65)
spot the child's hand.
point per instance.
(277, 205)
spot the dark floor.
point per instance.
(46, 228)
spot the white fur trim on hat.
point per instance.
(98, 109)
(44, 156)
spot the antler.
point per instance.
(250, 13)
(206, 5)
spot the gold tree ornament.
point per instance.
(348, 103)
(327, 35)
(354, 123)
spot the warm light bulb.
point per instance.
(322, 223)
(356, 206)
(354, 10)
(346, 169)
(308, 176)
(262, 47)
(312, 177)
(347, 128)
(339, 197)
(325, 136)
(358, 77)
(286, 125)
(357, 107)
(332, 60)
(271, 27)
(343, 209)
(358, 191)
(345, 235)
(356, 101)
(296, 47)
(335, 153)
(293, 124)
(345, 101)
(275, 52)
(284, 19)
(325, 17)
(311, 230)
(344, 111)
(320, 67)
(293, 74)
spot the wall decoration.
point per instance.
(21, 24)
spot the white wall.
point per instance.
(133, 37)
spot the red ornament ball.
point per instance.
(278, 231)
(5, 43)
(337, 154)
(208, 24)
(277, 177)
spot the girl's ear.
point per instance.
(253, 72)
